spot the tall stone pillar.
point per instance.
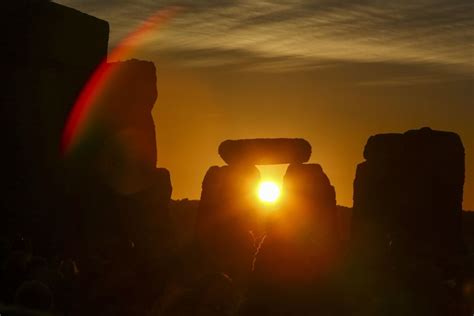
(227, 219)
(407, 245)
(302, 241)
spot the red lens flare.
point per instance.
(84, 106)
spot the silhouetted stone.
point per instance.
(124, 110)
(408, 193)
(108, 203)
(50, 52)
(344, 217)
(303, 239)
(122, 150)
(47, 33)
(407, 219)
(468, 230)
(125, 156)
(309, 192)
(265, 151)
(145, 214)
(129, 193)
(226, 216)
(125, 140)
(183, 215)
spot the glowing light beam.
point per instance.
(268, 192)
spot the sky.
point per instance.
(332, 72)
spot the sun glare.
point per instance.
(268, 192)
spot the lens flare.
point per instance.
(85, 105)
(268, 192)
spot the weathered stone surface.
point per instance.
(408, 193)
(226, 216)
(265, 151)
(303, 240)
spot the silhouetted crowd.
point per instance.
(111, 282)
(117, 279)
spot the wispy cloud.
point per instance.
(302, 33)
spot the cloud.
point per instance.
(302, 33)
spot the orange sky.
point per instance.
(332, 72)
(335, 108)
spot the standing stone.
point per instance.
(407, 227)
(125, 104)
(295, 265)
(227, 218)
(408, 194)
(49, 52)
(303, 240)
(122, 156)
(122, 144)
(145, 214)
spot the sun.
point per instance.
(268, 191)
